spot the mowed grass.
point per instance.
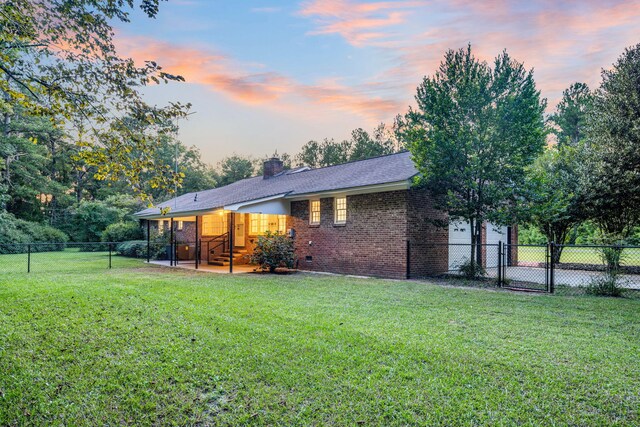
(154, 346)
(580, 255)
(68, 261)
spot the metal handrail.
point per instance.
(223, 243)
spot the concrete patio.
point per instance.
(186, 265)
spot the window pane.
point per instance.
(214, 225)
(315, 212)
(340, 210)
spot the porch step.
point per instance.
(220, 263)
(236, 253)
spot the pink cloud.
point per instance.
(358, 23)
(223, 74)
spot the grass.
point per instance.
(68, 261)
(152, 346)
(580, 255)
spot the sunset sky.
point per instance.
(271, 75)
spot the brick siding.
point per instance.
(372, 242)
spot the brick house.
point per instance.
(361, 218)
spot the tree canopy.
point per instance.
(473, 134)
(611, 168)
(58, 60)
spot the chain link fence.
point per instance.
(560, 269)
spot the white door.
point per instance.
(459, 244)
(238, 230)
(495, 234)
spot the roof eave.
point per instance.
(404, 184)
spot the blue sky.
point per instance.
(271, 75)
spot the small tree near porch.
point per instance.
(475, 130)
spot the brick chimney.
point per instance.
(272, 167)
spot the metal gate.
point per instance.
(526, 267)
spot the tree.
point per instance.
(57, 59)
(326, 153)
(473, 134)
(234, 168)
(570, 118)
(365, 147)
(610, 193)
(552, 204)
(30, 173)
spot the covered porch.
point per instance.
(218, 240)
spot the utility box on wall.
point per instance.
(186, 252)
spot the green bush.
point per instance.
(273, 250)
(138, 249)
(90, 218)
(472, 270)
(14, 233)
(135, 249)
(531, 235)
(122, 232)
(607, 285)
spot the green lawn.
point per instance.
(68, 261)
(152, 346)
(581, 255)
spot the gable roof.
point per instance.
(393, 168)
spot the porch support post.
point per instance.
(148, 241)
(171, 243)
(197, 249)
(231, 242)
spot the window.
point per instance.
(261, 223)
(340, 210)
(180, 225)
(163, 225)
(214, 225)
(314, 212)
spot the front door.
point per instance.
(238, 230)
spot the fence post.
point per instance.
(198, 244)
(148, 241)
(408, 259)
(29, 258)
(552, 279)
(500, 264)
(110, 247)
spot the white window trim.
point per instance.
(311, 222)
(335, 210)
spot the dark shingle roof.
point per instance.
(378, 170)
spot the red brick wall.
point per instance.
(429, 251)
(372, 242)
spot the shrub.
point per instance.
(607, 285)
(134, 248)
(273, 250)
(15, 232)
(472, 270)
(122, 232)
(138, 249)
(89, 220)
(531, 235)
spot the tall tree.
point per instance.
(57, 59)
(473, 134)
(570, 119)
(363, 146)
(552, 202)
(326, 153)
(611, 167)
(234, 168)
